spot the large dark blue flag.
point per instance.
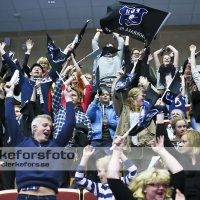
(137, 21)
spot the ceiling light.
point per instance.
(51, 1)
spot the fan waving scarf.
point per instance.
(134, 20)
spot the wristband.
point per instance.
(9, 95)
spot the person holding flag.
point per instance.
(129, 113)
(109, 64)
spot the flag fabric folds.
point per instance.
(55, 55)
(148, 111)
(77, 39)
(173, 90)
(135, 20)
(124, 84)
(80, 35)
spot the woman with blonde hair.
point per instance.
(153, 184)
(129, 112)
(43, 61)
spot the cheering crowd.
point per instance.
(118, 103)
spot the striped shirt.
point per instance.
(100, 190)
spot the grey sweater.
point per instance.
(108, 66)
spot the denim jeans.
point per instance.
(34, 197)
(103, 148)
(194, 124)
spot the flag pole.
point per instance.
(87, 56)
(126, 134)
(60, 77)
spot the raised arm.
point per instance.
(156, 59)
(176, 55)
(95, 40)
(70, 122)
(131, 168)
(120, 46)
(87, 96)
(29, 46)
(78, 69)
(114, 164)
(57, 93)
(126, 43)
(195, 73)
(10, 63)
(79, 175)
(117, 101)
(14, 129)
(127, 58)
(183, 85)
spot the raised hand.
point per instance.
(29, 45)
(150, 58)
(2, 45)
(192, 47)
(143, 80)
(119, 142)
(88, 151)
(69, 47)
(168, 48)
(158, 144)
(68, 93)
(9, 88)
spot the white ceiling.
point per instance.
(72, 14)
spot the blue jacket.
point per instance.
(38, 176)
(27, 85)
(94, 112)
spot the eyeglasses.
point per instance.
(158, 185)
(44, 63)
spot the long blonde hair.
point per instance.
(146, 177)
(130, 101)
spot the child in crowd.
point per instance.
(101, 190)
